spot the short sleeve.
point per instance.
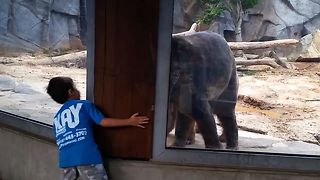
(94, 113)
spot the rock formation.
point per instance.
(35, 25)
(281, 19)
(268, 20)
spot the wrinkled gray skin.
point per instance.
(203, 82)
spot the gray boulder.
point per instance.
(274, 19)
(184, 14)
(311, 45)
(27, 25)
(40, 25)
(71, 7)
(59, 31)
(11, 45)
(7, 83)
(4, 15)
(25, 89)
(268, 20)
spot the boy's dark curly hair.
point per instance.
(59, 87)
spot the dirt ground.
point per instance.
(282, 103)
(24, 70)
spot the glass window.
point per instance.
(40, 40)
(218, 102)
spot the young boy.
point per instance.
(79, 155)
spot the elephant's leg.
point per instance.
(172, 117)
(225, 112)
(224, 108)
(206, 123)
(230, 130)
(184, 126)
(222, 137)
(191, 134)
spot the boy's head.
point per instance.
(62, 89)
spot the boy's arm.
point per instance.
(134, 120)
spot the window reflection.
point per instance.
(39, 40)
(276, 106)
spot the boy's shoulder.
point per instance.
(75, 101)
(82, 101)
(69, 103)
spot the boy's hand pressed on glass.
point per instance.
(134, 120)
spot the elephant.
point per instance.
(203, 83)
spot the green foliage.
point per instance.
(210, 14)
(246, 4)
(211, 1)
(213, 8)
(46, 51)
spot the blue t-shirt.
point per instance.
(72, 126)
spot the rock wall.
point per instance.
(309, 46)
(269, 19)
(281, 19)
(184, 14)
(35, 25)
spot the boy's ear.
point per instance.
(70, 92)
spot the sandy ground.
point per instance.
(36, 105)
(282, 103)
(276, 103)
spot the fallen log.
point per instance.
(264, 61)
(261, 45)
(314, 59)
(246, 45)
(74, 59)
(70, 59)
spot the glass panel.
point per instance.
(40, 40)
(260, 97)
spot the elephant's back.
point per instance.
(216, 58)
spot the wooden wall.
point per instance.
(124, 72)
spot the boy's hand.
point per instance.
(138, 121)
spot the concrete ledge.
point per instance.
(28, 126)
(26, 157)
(138, 170)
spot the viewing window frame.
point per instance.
(216, 158)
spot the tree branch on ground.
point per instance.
(279, 61)
(261, 45)
(272, 60)
(75, 59)
(264, 61)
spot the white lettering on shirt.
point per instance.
(68, 117)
